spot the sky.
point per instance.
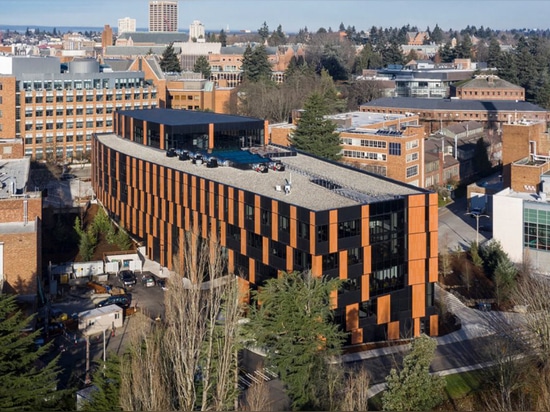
(291, 15)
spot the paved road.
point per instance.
(457, 229)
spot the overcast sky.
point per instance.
(292, 15)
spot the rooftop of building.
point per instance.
(173, 117)
(14, 175)
(487, 81)
(415, 103)
(163, 38)
(315, 184)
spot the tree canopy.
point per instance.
(169, 61)
(298, 334)
(255, 65)
(314, 133)
(413, 388)
(202, 66)
(27, 381)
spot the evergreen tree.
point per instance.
(437, 35)
(107, 381)
(446, 53)
(222, 38)
(278, 37)
(169, 61)
(493, 52)
(255, 65)
(413, 388)
(464, 48)
(391, 54)
(298, 334)
(27, 382)
(264, 32)
(315, 134)
(202, 66)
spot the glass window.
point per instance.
(395, 149)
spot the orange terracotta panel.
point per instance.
(244, 290)
(417, 246)
(333, 231)
(257, 218)
(367, 264)
(343, 268)
(432, 199)
(393, 330)
(383, 313)
(419, 301)
(317, 266)
(293, 226)
(223, 233)
(434, 325)
(231, 205)
(243, 242)
(221, 203)
(312, 233)
(365, 285)
(202, 196)
(185, 190)
(265, 250)
(352, 316)
(275, 220)
(417, 271)
(241, 208)
(193, 183)
(289, 259)
(162, 188)
(251, 271)
(177, 194)
(416, 327)
(417, 200)
(231, 260)
(357, 336)
(417, 219)
(211, 143)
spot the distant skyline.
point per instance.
(291, 15)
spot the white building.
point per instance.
(126, 25)
(196, 32)
(521, 223)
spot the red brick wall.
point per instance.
(21, 261)
(11, 149)
(11, 210)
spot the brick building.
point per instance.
(488, 86)
(435, 114)
(273, 209)
(20, 225)
(54, 109)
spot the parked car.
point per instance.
(67, 176)
(148, 281)
(127, 277)
(124, 301)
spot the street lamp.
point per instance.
(477, 216)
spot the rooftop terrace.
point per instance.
(315, 184)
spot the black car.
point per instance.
(67, 176)
(124, 301)
(127, 277)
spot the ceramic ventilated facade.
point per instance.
(384, 250)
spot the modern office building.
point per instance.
(126, 25)
(55, 108)
(272, 210)
(163, 16)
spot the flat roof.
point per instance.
(172, 117)
(14, 175)
(316, 184)
(453, 104)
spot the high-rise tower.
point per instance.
(163, 16)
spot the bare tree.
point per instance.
(256, 398)
(193, 354)
(356, 386)
(143, 376)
